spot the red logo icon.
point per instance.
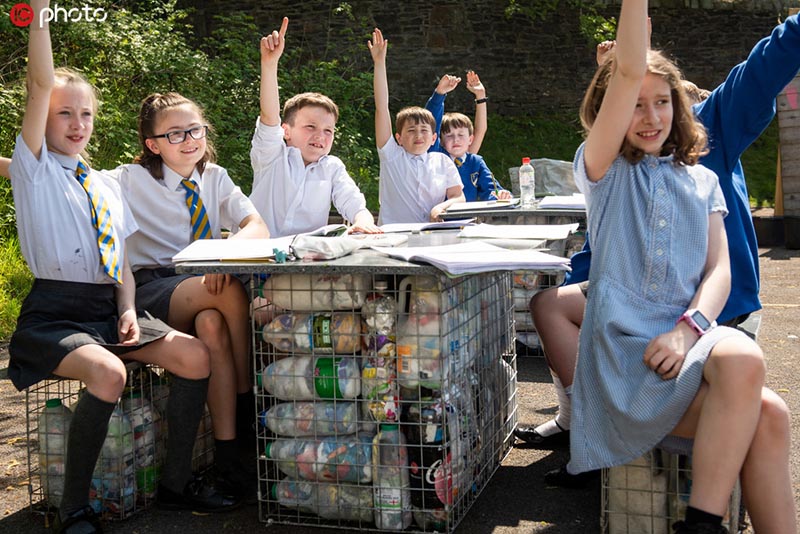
(21, 15)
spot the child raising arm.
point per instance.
(415, 185)
(650, 352)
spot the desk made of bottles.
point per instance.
(349, 346)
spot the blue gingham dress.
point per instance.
(649, 228)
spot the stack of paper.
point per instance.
(427, 226)
(574, 201)
(519, 231)
(477, 257)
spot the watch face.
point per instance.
(701, 320)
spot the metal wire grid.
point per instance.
(127, 473)
(651, 493)
(451, 354)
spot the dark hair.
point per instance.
(414, 115)
(149, 112)
(451, 121)
(687, 139)
(297, 102)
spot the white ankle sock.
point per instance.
(561, 421)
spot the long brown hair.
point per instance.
(687, 139)
(149, 112)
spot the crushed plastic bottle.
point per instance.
(54, 422)
(329, 501)
(310, 377)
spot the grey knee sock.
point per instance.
(187, 399)
(87, 432)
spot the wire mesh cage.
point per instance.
(386, 401)
(128, 470)
(649, 494)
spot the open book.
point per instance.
(574, 201)
(232, 249)
(426, 226)
(519, 231)
(477, 257)
(483, 205)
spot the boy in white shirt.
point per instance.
(294, 182)
(415, 185)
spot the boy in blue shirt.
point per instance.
(459, 139)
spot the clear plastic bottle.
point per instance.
(53, 431)
(114, 479)
(379, 370)
(328, 333)
(145, 422)
(334, 459)
(310, 377)
(321, 418)
(527, 184)
(392, 484)
(330, 501)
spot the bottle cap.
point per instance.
(326, 379)
(274, 491)
(259, 380)
(381, 285)
(525, 161)
(52, 403)
(389, 426)
(268, 450)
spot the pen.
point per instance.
(496, 189)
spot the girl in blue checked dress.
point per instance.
(652, 362)
(79, 320)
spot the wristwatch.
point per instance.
(697, 321)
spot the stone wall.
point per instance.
(528, 66)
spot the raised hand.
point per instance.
(604, 50)
(377, 46)
(474, 84)
(272, 45)
(447, 83)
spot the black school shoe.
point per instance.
(698, 528)
(197, 496)
(83, 521)
(238, 483)
(564, 479)
(554, 442)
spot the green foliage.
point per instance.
(15, 283)
(509, 139)
(760, 162)
(595, 27)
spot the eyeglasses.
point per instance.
(179, 136)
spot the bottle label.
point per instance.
(321, 332)
(390, 498)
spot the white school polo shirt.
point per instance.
(412, 185)
(54, 217)
(291, 197)
(159, 206)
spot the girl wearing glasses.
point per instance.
(215, 308)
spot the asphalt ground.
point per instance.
(515, 501)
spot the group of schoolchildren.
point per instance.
(652, 361)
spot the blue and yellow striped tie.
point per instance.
(200, 227)
(101, 219)
(458, 161)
